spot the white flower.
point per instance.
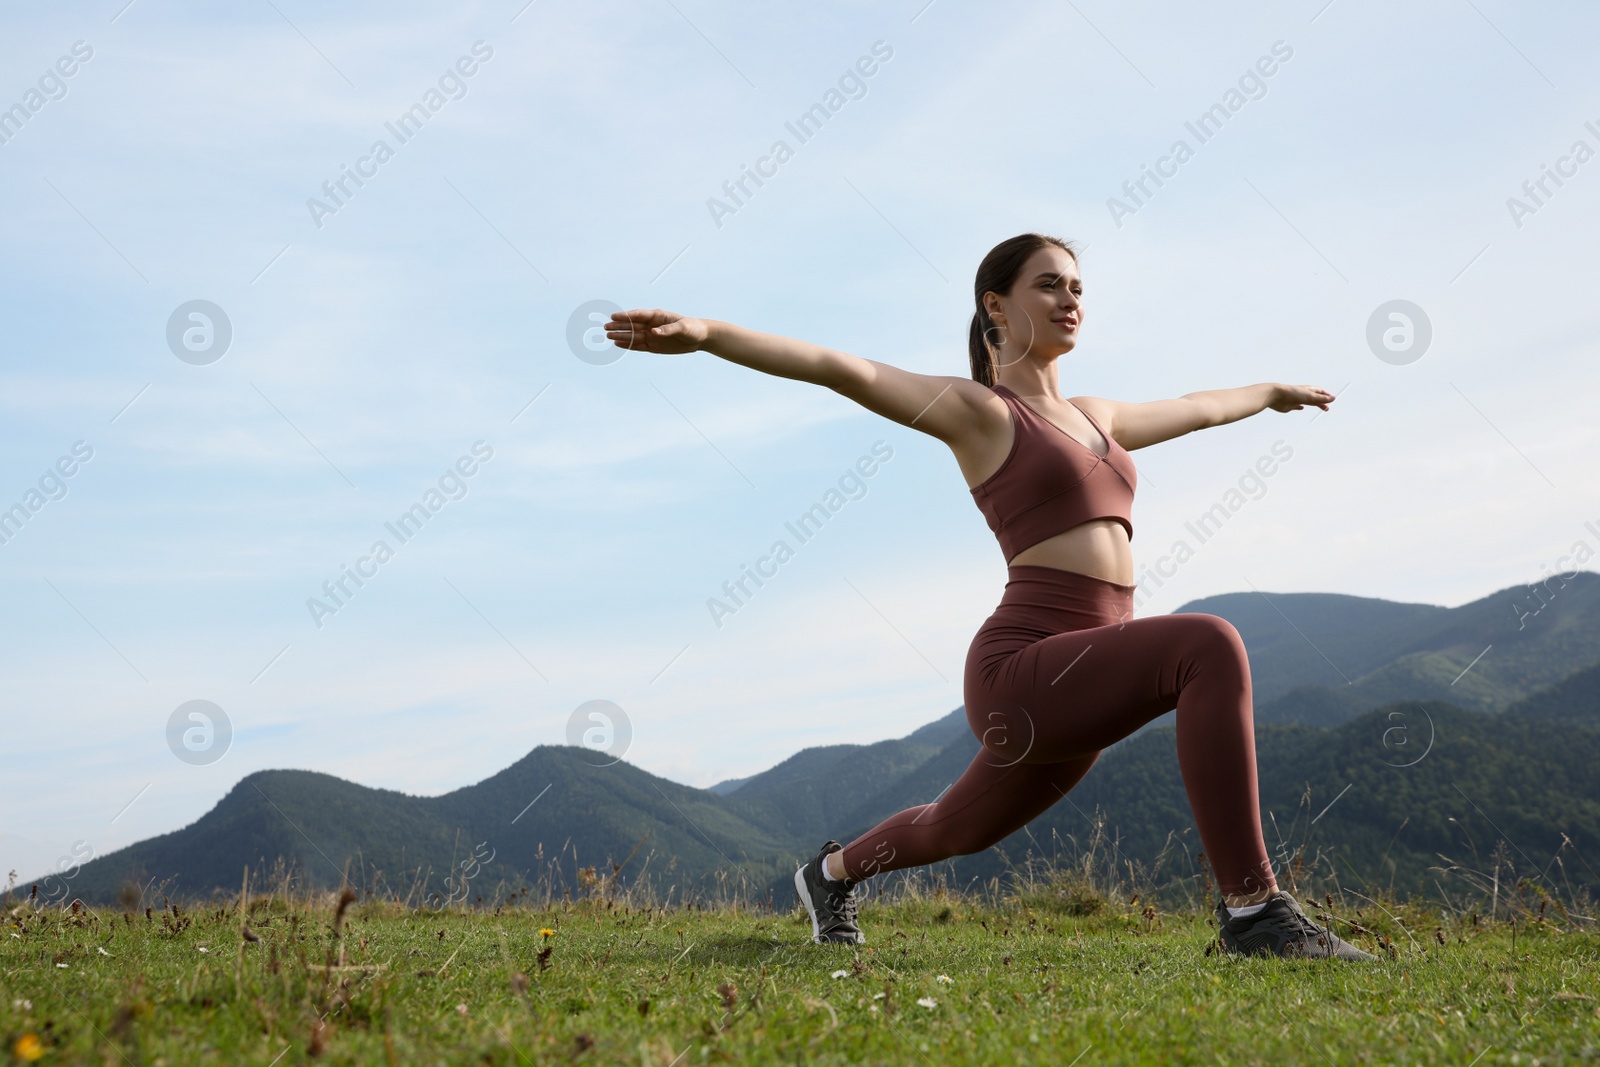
(879, 996)
(927, 1002)
(204, 949)
(103, 951)
(841, 974)
(63, 966)
(945, 978)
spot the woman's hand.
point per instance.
(662, 332)
(1295, 397)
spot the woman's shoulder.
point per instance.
(1097, 408)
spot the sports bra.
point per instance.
(1051, 481)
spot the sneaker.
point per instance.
(831, 903)
(1282, 929)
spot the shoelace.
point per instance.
(845, 910)
(1294, 920)
(850, 902)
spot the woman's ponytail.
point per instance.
(978, 350)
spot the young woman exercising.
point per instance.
(1061, 669)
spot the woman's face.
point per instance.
(1043, 312)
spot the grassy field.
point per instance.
(1057, 975)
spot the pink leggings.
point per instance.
(1060, 670)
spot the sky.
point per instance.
(244, 340)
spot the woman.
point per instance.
(1061, 669)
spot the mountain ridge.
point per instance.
(553, 809)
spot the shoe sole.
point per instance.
(1247, 954)
(805, 898)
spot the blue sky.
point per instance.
(374, 345)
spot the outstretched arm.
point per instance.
(1138, 425)
(938, 405)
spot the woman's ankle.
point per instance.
(833, 866)
(1249, 900)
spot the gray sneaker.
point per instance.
(831, 903)
(1282, 929)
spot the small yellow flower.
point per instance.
(545, 931)
(27, 1047)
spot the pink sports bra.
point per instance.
(1051, 481)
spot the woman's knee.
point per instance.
(1214, 634)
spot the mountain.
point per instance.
(1573, 699)
(554, 809)
(1524, 779)
(1323, 658)
(1401, 781)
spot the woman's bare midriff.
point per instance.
(1098, 548)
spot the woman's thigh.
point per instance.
(1073, 693)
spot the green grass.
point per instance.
(1052, 976)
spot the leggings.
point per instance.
(1061, 670)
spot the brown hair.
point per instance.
(997, 274)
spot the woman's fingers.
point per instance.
(655, 330)
(632, 329)
(635, 329)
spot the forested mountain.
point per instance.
(1391, 787)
